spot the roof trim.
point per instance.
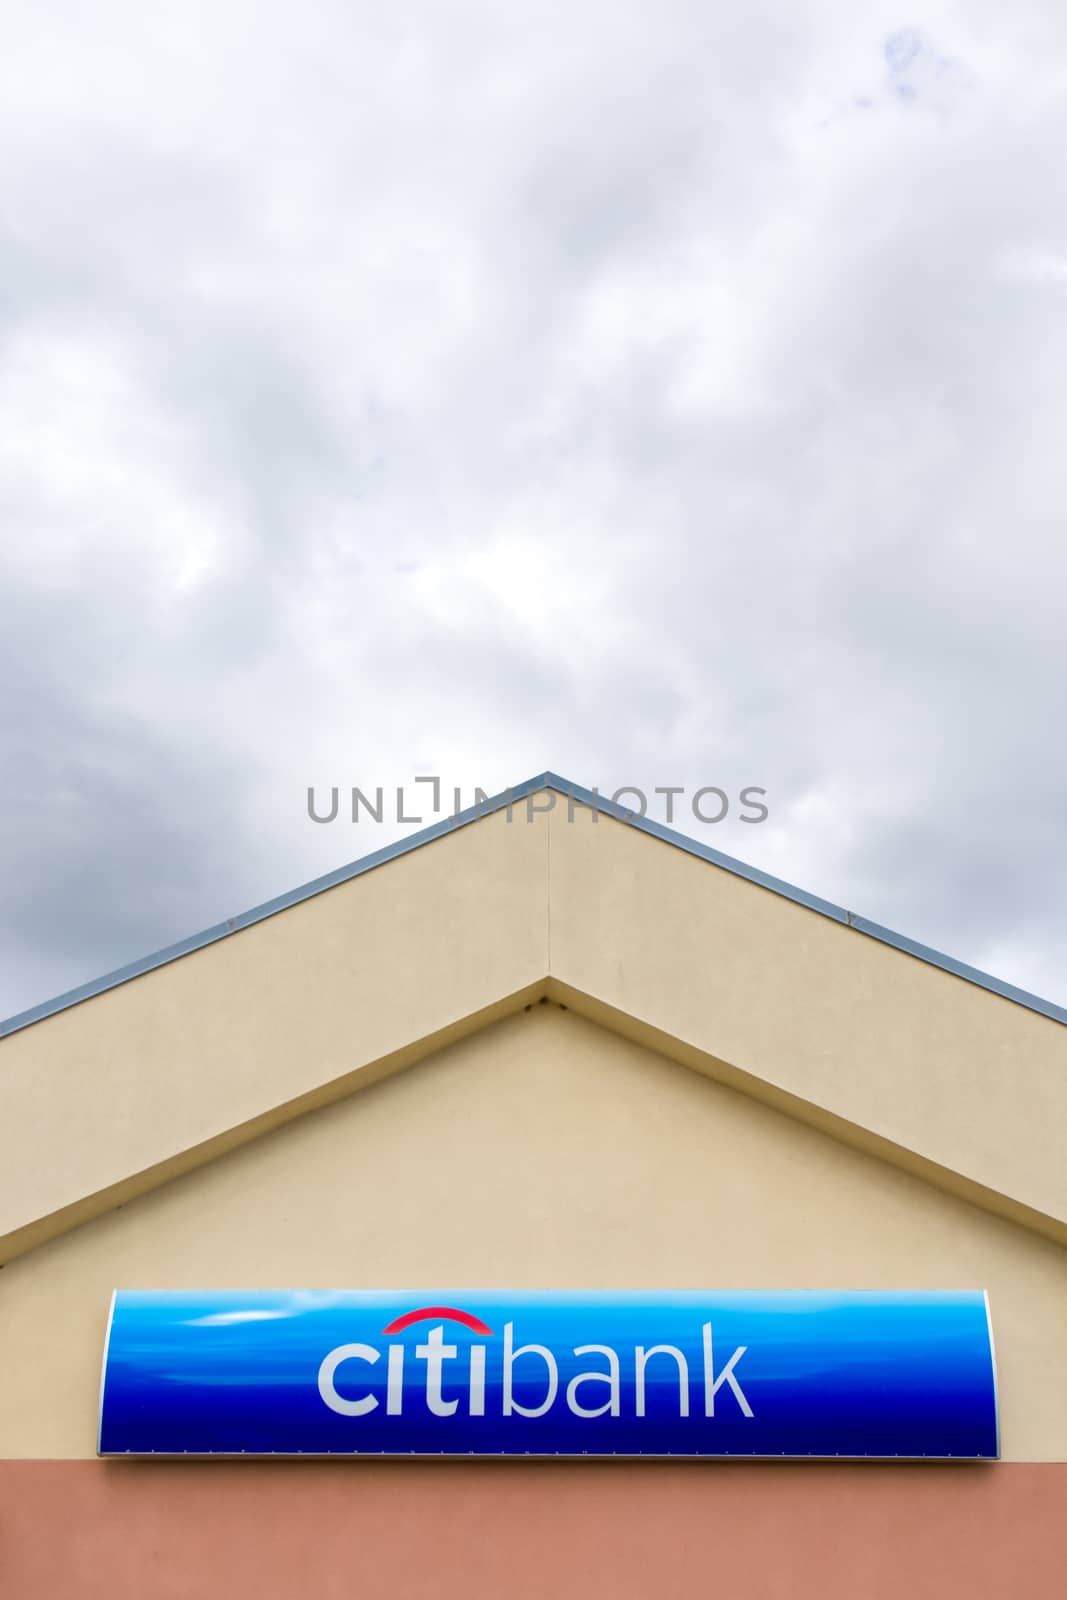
(500, 802)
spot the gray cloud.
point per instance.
(457, 393)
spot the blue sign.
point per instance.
(493, 1373)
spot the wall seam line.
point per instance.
(548, 893)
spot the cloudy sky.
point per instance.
(663, 394)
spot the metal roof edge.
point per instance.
(500, 802)
(824, 908)
(270, 908)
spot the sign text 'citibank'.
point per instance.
(749, 1373)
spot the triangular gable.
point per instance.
(541, 1152)
(929, 1065)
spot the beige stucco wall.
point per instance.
(920, 1059)
(296, 1006)
(110, 1097)
(542, 1151)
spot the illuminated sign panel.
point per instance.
(497, 1373)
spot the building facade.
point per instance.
(542, 1048)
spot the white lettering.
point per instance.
(433, 1352)
(335, 1401)
(394, 1392)
(713, 1384)
(611, 1378)
(477, 1380)
(511, 1355)
(642, 1357)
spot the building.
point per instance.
(540, 1048)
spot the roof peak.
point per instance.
(509, 797)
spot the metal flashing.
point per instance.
(509, 797)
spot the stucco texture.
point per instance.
(541, 1151)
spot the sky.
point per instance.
(664, 395)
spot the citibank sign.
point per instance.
(740, 1373)
(434, 1351)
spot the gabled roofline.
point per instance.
(501, 802)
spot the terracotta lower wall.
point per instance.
(529, 1531)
